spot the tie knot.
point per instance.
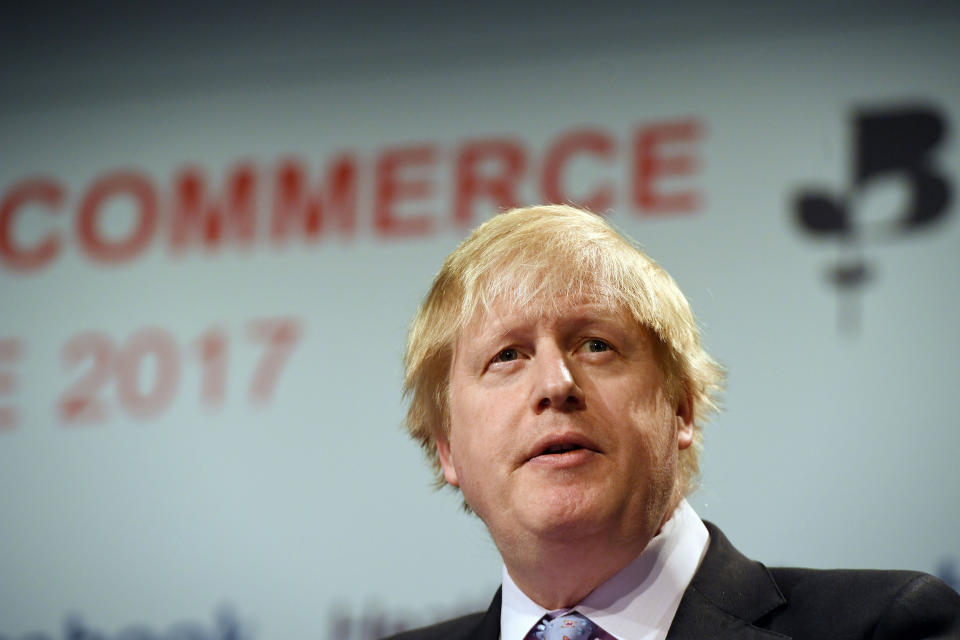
(571, 626)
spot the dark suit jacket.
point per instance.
(733, 597)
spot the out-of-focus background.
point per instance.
(215, 223)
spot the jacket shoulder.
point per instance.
(473, 626)
(456, 629)
(813, 604)
(849, 603)
(852, 585)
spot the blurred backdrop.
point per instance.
(215, 223)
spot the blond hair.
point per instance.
(535, 258)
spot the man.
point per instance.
(557, 379)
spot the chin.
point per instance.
(565, 511)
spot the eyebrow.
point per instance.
(573, 322)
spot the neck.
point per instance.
(563, 576)
(559, 574)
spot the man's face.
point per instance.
(561, 428)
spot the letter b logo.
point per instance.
(888, 143)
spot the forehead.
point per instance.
(504, 317)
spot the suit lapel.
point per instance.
(727, 595)
(489, 626)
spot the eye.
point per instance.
(595, 345)
(507, 355)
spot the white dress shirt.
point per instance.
(639, 602)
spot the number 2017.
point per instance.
(141, 395)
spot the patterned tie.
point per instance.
(571, 626)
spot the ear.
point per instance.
(446, 461)
(685, 422)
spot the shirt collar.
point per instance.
(637, 603)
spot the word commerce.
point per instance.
(399, 191)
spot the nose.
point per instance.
(556, 387)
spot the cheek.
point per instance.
(470, 439)
(655, 434)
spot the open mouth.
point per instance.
(561, 446)
(559, 449)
